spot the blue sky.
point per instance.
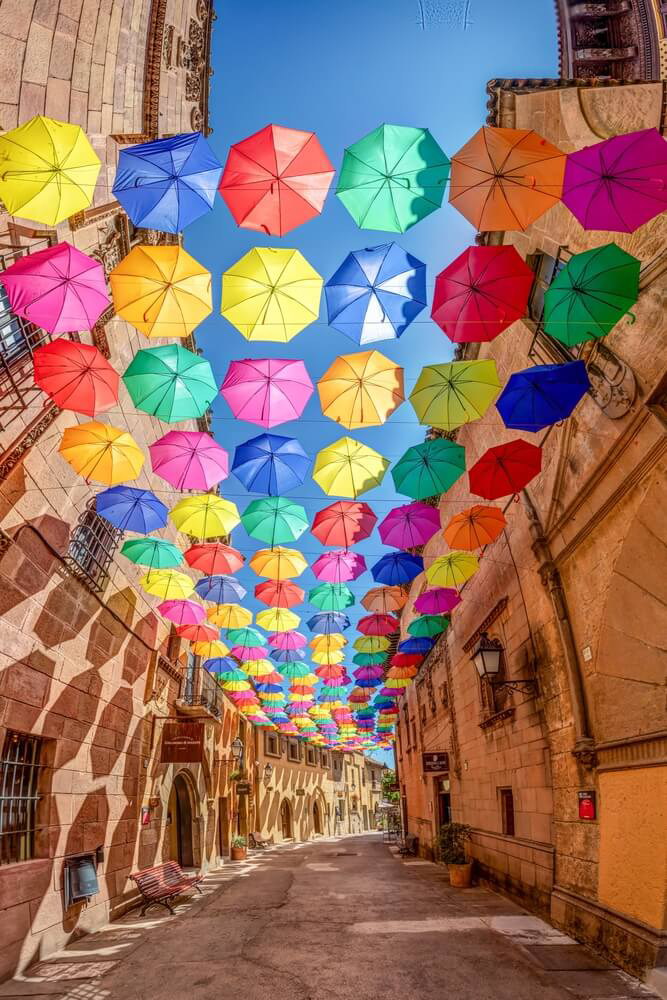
(340, 69)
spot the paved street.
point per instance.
(331, 920)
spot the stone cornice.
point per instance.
(492, 616)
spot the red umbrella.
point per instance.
(406, 659)
(505, 469)
(481, 293)
(343, 523)
(279, 593)
(213, 558)
(276, 179)
(378, 624)
(198, 633)
(76, 376)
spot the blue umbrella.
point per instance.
(287, 655)
(168, 183)
(268, 688)
(416, 645)
(221, 664)
(270, 464)
(376, 293)
(326, 622)
(220, 589)
(542, 395)
(369, 682)
(382, 702)
(397, 568)
(131, 509)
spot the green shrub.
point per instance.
(451, 843)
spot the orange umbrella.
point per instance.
(506, 178)
(384, 599)
(471, 529)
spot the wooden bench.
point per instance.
(162, 882)
(409, 846)
(258, 839)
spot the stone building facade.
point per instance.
(618, 39)
(564, 779)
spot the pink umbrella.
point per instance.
(182, 612)
(409, 526)
(189, 460)
(438, 601)
(371, 673)
(248, 652)
(378, 624)
(267, 391)
(58, 289)
(339, 566)
(287, 640)
(244, 697)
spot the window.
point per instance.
(507, 810)
(92, 545)
(414, 733)
(310, 756)
(325, 759)
(293, 751)
(363, 776)
(271, 744)
(422, 714)
(19, 797)
(546, 268)
(444, 696)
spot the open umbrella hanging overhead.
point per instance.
(170, 382)
(184, 612)
(542, 395)
(505, 469)
(76, 376)
(267, 391)
(274, 520)
(270, 463)
(156, 553)
(473, 528)
(410, 525)
(212, 558)
(229, 616)
(343, 523)
(452, 569)
(220, 589)
(131, 509)
(397, 568)
(331, 596)
(339, 566)
(101, 453)
(348, 468)
(361, 390)
(328, 622)
(450, 395)
(429, 468)
(279, 593)
(378, 624)
(278, 620)
(278, 563)
(167, 584)
(384, 599)
(204, 516)
(189, 460)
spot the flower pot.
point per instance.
(238, 853)
(460, 876)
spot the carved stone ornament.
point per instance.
(12, 458)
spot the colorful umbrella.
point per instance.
(168, 183)
(371, 644)
(101, 453)
(271, 294)
(59, 289)
(331, 597)
(343, 523)
(328, 622)
(248, 653)
(397, 568)
(450, 395)
(131, 509)
(474, 528)
(189, 460)
(348, 468)
(220, 589)
(287, 640)
(152, 552)
(205, 516)
(590, 294)
(167, 584)
(393, 177)
(213, 558)
(451, 570)
(277, 620)
(211, 649)
(429, 468)
(195, 632)
(267, 391)
(384, 599)
(279, 593)
(288, 655)
(339, 567)
(506, 178)
(245, 636)
(378, 624)
(361, 390)
(505, 469)
(481, 293)
(618, 184)
(270, 464)
(278, 563)
(276, 179)
(370, 660)
(274, 520)
(410, 525)
(376, 293)
(229, 616)
(76, 376)
(48, 170)
(542, 395)
(329, 657)
(185, 613)
(427, 626)
(328, 642)
(170, 383)
(162, 291)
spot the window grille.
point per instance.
(19, 797)
(92, 546)
(545, 349)
(507, 810)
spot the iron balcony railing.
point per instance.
(199, 688)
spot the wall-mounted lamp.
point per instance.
(237, 748)
(268, 771)
(486, 656)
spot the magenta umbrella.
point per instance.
(339, 566)
(189, 460)
(248, 652)
(267, 391)
(618, 184)
(182, 612)
(58, 289)
(287, 640)
(409, 526)
(370, 673)
(437, 601)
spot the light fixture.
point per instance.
(486, 656)
(268, 771)
(237, 748)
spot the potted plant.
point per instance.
(238, 851)
(235, 775)
(451, 845)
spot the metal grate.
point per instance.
(92, 546)
(19, 796)
(200, 687)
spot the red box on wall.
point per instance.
(587, 805)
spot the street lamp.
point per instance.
(487, 656)
(268, 771)
(237, 749)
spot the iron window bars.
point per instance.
(19, 796)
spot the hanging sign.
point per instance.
(586, 805)
(435, 762)
(242, 788)
(182, 743)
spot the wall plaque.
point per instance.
(182, 743)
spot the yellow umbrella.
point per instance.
(371, 644)
(168, 584)
(333, 641)
(205, 516)
(361, 390)
(277, 620)
(450, 395)
(271, 294)
(208, 650)
(348, 468)
(258, 668)
(48, 170)
(102, 453)
(310, 680)
(163, 291)
(452, 570)
(327, 656)
(278, 563)
(229, 616)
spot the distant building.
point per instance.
(617, 39)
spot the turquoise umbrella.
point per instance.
(153, 552)
(274, 520)
(429, 468)
(331, 597)
(170, 382)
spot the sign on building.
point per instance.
(182, 743)
(436, 762)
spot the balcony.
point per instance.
(201, 696)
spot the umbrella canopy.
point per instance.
(274, 520)
(189, 460)
(276, 179)
(590, 294)
(392, 178)
(155, 553)
(278, 563)
(167, 583)
(246, 653)
(451, 570)
(131, 509)
(220, 589)
(410, 525)
(505, 469)
(481, 293)
(162, 291)
(376, 659)
(361, 390)
(429, 468)
(267, 391)
(349, 468)
(288, 655)
(328, 642)
(279, 593)
(168, 183)
(506, 178)
(101, 453)
(170, 383)
(376, 293)
(328, 622)
(329, 657)
(210, 650)
(384, 599)
(213, 558)
(450, 395)
(195, 632)
(185, 613)
(271, 294)
(331, 596)
(49, 170)
(229, 616)
(339, 567)
(288, 640)
(76, 376)
(58, 289)
(378, 624)
(270, 464)
(245, 636)
(277, 620)
(371, 644)
(427, 626)
(205, 516)
(474, 528)
(618, 184)
(343, 523)
(397, 568)
(542, 395)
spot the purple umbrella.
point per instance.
(339, 566)
(437, 601)
(409, 526)
(618, 184)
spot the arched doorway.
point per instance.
(180, 811)
(317, 818)
(286, 820)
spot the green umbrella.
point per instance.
(369, 659)
(331, 596)
(429, 468)
(274, 520)
(152, 552)
(393, 177)
(589, 296)
(427, 626)
(245, 637)
(294, 670)
(170, 382)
